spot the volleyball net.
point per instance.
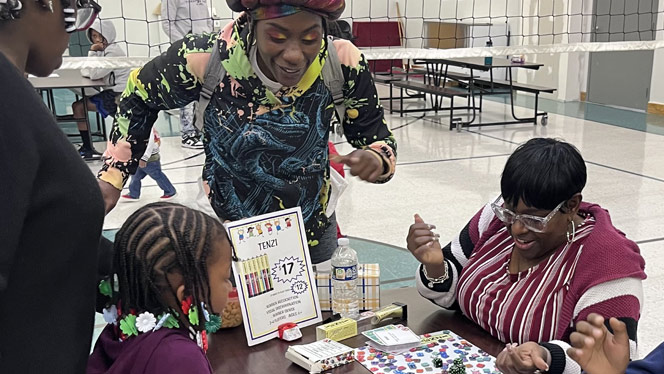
(414, 29)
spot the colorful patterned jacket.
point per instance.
(264, 151)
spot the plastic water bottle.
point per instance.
(488, 60)
(345, 298)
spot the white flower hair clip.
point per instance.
(145, 322)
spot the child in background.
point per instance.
(172, 266)
(150, 165)
(182, 17)
(599, 351)
(102, 36)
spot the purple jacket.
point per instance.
(161, 352)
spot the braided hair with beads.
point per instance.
(161, 239)
(10, 9)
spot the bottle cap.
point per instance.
(343, 242)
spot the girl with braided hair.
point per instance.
(267, 124)
(51, 211)
(172, 267)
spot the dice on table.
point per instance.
(457, 367)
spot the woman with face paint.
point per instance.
(51, 211)
(266, 128)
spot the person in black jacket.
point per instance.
(51, 209)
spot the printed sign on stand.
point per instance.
(274, 276)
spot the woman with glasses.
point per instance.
(532, 263)
(51, 211)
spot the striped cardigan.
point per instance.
(599, 272)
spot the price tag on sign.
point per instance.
(288, 269)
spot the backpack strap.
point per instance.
(333, 77)
(214, 72)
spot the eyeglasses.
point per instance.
(532, 223)
(82, 15)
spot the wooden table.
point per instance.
(229, 353)
(68, 79)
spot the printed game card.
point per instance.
(274, 276)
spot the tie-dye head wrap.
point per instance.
(269, 9)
